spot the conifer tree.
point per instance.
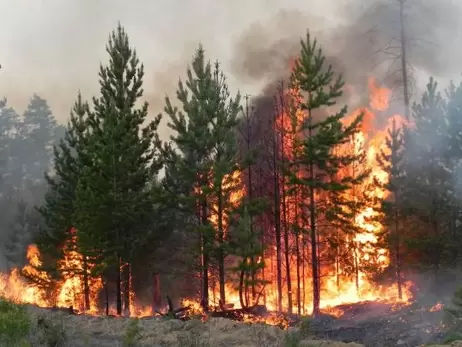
(57, 210)
(245, 244)
(317, 159)
(39, 126)
(204, 158)
(115, 200)
(391, 209)
(453, 156)
(428, 195)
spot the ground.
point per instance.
(369, 325)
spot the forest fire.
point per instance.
(339, 284)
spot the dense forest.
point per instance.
(289, 199)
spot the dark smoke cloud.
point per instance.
(361, 43)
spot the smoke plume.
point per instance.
(54, 48)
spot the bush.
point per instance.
(15, 324)
(132, 334)
(305, 327)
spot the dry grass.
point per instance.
(58, 329)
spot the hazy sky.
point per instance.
(54, 47)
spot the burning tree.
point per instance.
(318, 166)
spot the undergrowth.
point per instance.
(18, 328)
(15, 324)
(132, 334)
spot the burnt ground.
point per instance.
(369, 324)
(376, 325)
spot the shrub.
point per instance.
(132, 333)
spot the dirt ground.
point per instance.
(401, 328)
(87, 331)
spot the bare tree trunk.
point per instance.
(314, 245)
(220, 251)
(127, 289)
(297, 249)
(404, 60)
(156, 296)
(205, 260)
(119, 287)
(86, 287)
(106, 294)
(277, 222)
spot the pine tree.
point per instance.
(391, 210)
(9, 123)
(428, 195)
(58, 207)
(115, 206)
(244, 242)
(453, 162)
(20, 235)
(205, 158)
(317, 160)
(254, 207)
(39, 127)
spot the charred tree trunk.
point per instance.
(313, 236)
(337, 259)
(250, 190)
(220, 250)
(277, 220)
(398, 256)
(404, 60)
(205, 260)
(241, 286)
(119, 287)
(297, 249)
(127, 289)
(106, 294)
(282, 134)
(86, 286)
(156, 297)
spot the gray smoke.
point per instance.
(363, 41)
(54, 48)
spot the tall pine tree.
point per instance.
(58, 207)
(428, 195)
(390, 208)
(203, 156)
(115, 206)
(318, 162)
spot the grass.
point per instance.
(15, 324)
(19, 329)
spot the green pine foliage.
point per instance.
(427, 197)
(58, 208)
(114, 209)
(202, 156)
(317, 159)
(245, 244)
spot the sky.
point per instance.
(54, 47)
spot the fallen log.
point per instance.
(239, 313)
(179, 313)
